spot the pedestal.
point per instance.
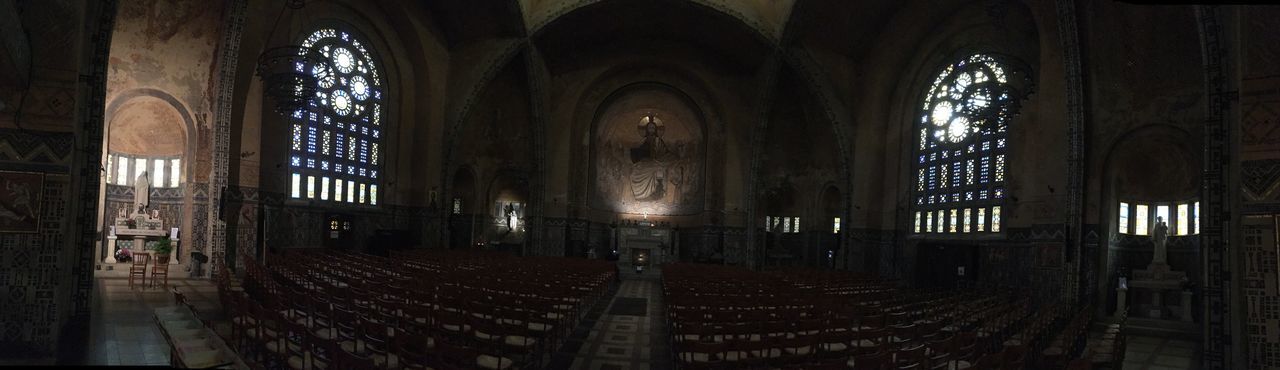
(111, 249)
(139, 244)
(1186, 306)
(1158, 302)
(1121, 301)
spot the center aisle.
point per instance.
(627, 333)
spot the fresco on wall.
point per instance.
(20, 201)
(648, 156)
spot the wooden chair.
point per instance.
(160, 270)
(139, 269)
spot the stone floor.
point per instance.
(630, 332)
(121, 330)
(1156, 353)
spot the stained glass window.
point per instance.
(1162, 215)
(1140, 220)
(122, 178)
(835, 225)
(1124, 218)
(962, 144)
(123, 169)
(340, 129)
(1182, 219)
(174, 174)
(157, 173)
(1196, 217)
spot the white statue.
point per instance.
(1160, 236)
(142, 192)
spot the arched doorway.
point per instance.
(508, 201)
(464, 218)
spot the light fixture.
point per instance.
(291, 73)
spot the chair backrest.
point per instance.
(1080, 364)
(141, 259)
(874, 361)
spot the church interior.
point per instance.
(639, 184)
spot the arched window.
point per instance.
(961, 144)
(333, 152)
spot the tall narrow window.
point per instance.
(175, 173)
(835, 225)
(122, 169)
(1123, 226)
(333, 137)
(1182, 219)
(1162, 215)
(995, 219)
(1196, 217)
(157, 173)
(139, 166)
(110, 175)
(917, 221)
(962, 150)
(1140, 220)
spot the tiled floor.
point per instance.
(121, 330)
(1157, 353)
(619, 341)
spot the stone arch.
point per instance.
(630, 95)
(161, 103)
(588, 104)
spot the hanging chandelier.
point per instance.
(291, 73)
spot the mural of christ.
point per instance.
(650, 162)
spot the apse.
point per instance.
(648, 153)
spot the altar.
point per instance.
(140, 225)
(1155, 282)
(643, 245)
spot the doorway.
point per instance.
(943, 265)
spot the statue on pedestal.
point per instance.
(142, 192)
(1159, 237)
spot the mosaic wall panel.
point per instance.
(31, 278)
(35, 149)
(1261, 291)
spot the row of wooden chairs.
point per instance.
(428, 317)
(159, 271)
(731, 318)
